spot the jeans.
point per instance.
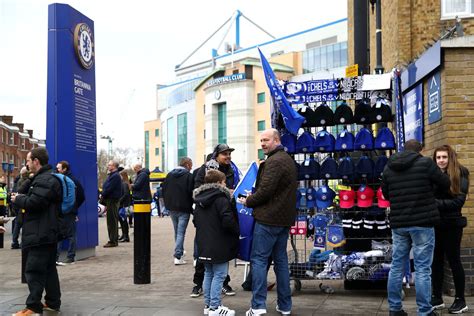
(214, 276)
(270, 241)
(70, 220)
(421, 239)
(180, 223)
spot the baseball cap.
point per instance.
(222, 148)
(328, 169)
(288, 141)
(324, 142)
(309, 170)
(364, 140)
(306, 112)
(365, 167)
(343, 114)
(380, 165)
(363, 112)
(212, 164)
(384, 139)
(381, 201)
(346, 168)
(382, 111)
(346, 198)
(310, 197)
(305, 143)
(344, 141)
(323, 116)
(324, 196)
(365, 196)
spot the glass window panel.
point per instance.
(337, 55)
(182, 135)
(261, 154)
(222, 123)
(311, 60)
(343, 54)
(330, 50)
(317, 58)
(323, 58)
(261, 125)
(261, 97)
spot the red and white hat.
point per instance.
(365, 196)
(381, 200)
(346, 198)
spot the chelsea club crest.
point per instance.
(84, 45)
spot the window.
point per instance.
(325, 57)
(12, 139)
(452, 8)
(261, 97)
(182, 135)
(157, 151)
(222, 123)
(147, 149)
(157, 132)
(261, 126)
(261, 154)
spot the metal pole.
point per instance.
(378, 36)
(141, 242)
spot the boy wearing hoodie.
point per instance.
(217, 237)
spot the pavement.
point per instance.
(103, 285)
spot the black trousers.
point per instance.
(41, 275)
(448, 242)
(198, 277)
(124, 226)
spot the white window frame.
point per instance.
(462, 14)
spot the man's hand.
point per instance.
(2, 229)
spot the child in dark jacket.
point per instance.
(217, 237)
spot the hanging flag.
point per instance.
(291, 118)
(246, 220)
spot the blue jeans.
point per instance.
(214, 276)
(180, 223)
(422, 240)
(270, 241)
(70, 220)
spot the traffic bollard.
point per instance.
(141, 242)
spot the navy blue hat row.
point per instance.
(346, 168)
(325, 142)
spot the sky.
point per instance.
(137, 45)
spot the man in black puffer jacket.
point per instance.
(141, 185)
(408, 183)
(42, 206)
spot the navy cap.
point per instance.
(328, 169)
(384, 139)
(345, 141)
(288, 141)
(323, 116)
(363, 112)
(343, 114)
(324, 196)
(310, 197)
(346, 168)
(324, 142)
(364, 140)
(307, 113)
(380, 165)
(309, 170)
(365, 167)
(382, 111)
(305, 143)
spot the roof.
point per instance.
(205, 78)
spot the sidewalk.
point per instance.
(103, 285)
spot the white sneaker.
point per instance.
(179, 261)
(222, 311)
(283, 312)
(59, 263)
(206, 310)
(255, 312)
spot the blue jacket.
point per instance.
(112, 187)
(141, 186)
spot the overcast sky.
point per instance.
(138, 43)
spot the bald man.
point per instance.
(141, 186)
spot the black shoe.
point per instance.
(437, 302)
(197, 291)
(433, 313)
(15, 246)
(227, 290)
(459, 306)
(247, 285)
(124, 239)
(398, 313)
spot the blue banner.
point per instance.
(413, 113)
(311, 87)
(399, 111)
(246, 220)
(434, 98)
(291, 118)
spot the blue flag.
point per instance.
(291, 118)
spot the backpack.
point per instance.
(69, 193)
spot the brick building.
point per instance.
(15, 143)
(411, 32)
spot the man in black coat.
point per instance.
(42, 205)
(141, 185)
(70, 219)
(178, 198)
(408, 183)
(111, 194)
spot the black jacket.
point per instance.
(112, 187)
(126, 199)
(141, 186)
(450, 206)
(217, 228)
(226, 169)
(408, 183)
(42, 206)
(80, 197)
(178, 190)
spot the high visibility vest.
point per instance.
(3, 196)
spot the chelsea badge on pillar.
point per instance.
(84, 45)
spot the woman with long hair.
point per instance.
(125, 202)
(448, 234)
